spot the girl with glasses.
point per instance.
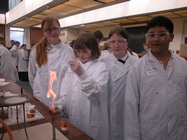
(50, 54)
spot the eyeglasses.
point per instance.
(55, 29)
(159, 34)
(119, 42)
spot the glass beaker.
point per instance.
(30, 111)
(64, 124)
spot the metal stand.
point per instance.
(15, 101)
(53, 128)
(25, 122)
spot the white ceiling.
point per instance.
(71, 7)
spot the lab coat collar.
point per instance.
(57, 45)
(115, 60)
(156, 64)
(151, 57)
(52, 47)
(118, 69)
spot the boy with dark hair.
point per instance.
(156, 95)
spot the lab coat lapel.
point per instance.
(156, 66)
(118, 70)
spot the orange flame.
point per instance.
(50, 91)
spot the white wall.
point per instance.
(184, 30)
(178, 33)
(72, 34)
(2, 18)
(63, 35)
(27, 38)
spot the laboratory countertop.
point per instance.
(72, 133)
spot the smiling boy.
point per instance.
(156, 93)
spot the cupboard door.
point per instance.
(2, 34)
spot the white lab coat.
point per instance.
(39, 77)
(87, 100)
(23, 61)
(104, 53)
(156, 100)
(14, 54)
(118, 75)
(7, 68)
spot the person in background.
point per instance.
(84, 89)
(105, 46)
(119, 63)
(23, 63)
(156, 93)
(14, 53)
(104, 49)
(50, 54)
(7, 68)
(72, 43)
(99, 36)
(12, 42)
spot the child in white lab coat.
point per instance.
(50, 54)
(84, 89)
(156, 93)
(119, 63)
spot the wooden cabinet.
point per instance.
(35, 35)
(2, 34)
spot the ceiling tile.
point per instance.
(140, 18)
(124, 21)
(39, 16)
(54, 13)
(66, 8)
(166, 14)
(83, 3)
(107, 1)
(181, 13)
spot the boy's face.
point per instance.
(158, 39)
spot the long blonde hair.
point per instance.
(41, 47)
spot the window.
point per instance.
(17, 34)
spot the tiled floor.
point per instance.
(25, 85)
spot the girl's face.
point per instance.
(84, 55)
(118, 45)
(158, 39)
(52, 33)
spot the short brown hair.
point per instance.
(119, 30)
(87, 40)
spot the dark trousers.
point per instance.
(23, 76)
